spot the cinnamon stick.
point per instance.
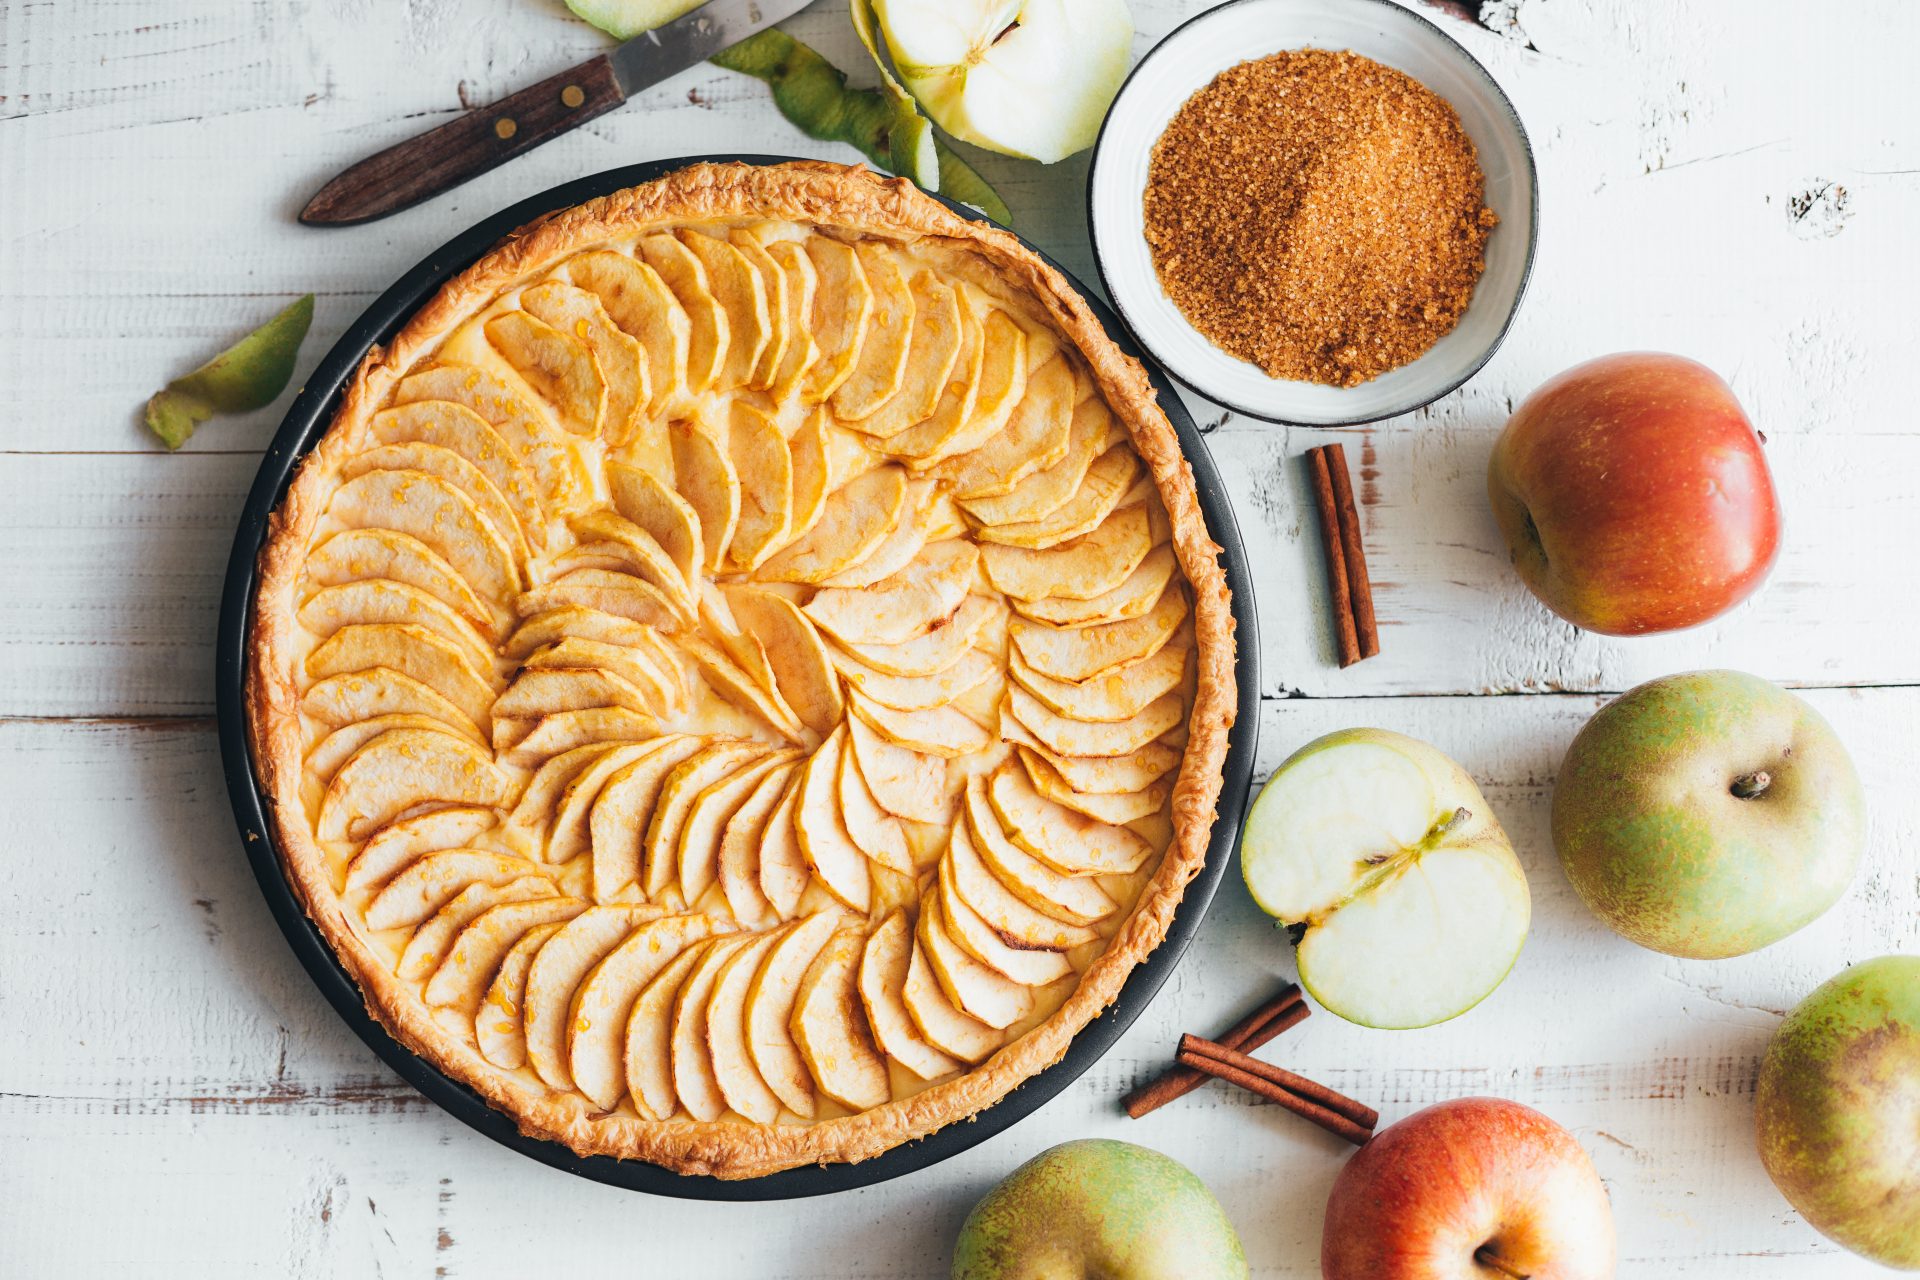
(1282, 1013)
(1354, 551)
(1345, 633)
(1332, 1121)
(1312, 1090)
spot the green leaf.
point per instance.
(246, 376)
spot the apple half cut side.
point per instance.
(1409, 904)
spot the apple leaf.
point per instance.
(246, 376)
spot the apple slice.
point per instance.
(649, 558)
(569, 834)
(533, 813)
(639, 301)
(830, 1027)
(713, 809)
(882, 362)
(431, 511)
(565, 731)
(677, 793)
(557, 467)
(464, 977)
(497, 1028)
(412, 650)
(704, 475)
(378, 600)
(1091, 565)
(982, 942)
(1412, 903)
(1113, 695)
(741, 841)
(842, 306)
(339, 746)
(557, 973)
(883, 974)
(647, 501)
(620, 594)
(1003, 909)
(853, 522)
(1077, 900)
(1130, 599)
(1069, 735)
(431, 882)
(1076, 653)
(802, 670)
(784, 871)
(980, 620)
(649, 1038)
(944, 1026)
(617, 827)
(619, 358)
(358, 555)
(770, 1002)
(559, 366)
(405, 839)
(907, 783)
(933, 346)
(429, 943)
(1069, 842)
(746, 1091)
(937, 731)
(403, 768)
(1116, 807)
(706, 322)
(874, 830)
(830, 851)
(691, 1063)
(602, 1006)
(638, 666)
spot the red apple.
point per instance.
(1469, 1190)
(1634, 495)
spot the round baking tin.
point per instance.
(302, 428)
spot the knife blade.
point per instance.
(421, 167)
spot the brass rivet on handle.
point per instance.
(505, 128)
(573, 95)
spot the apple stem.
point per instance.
(1447, 824)
(1492, 1261)
(1750, 786)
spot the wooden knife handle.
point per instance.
(421, 167)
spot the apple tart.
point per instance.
(744, 676)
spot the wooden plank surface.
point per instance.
(1735, 179)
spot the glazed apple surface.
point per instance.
(1634, 495)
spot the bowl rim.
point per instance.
(1411, 404)
(300, 430)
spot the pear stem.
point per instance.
(1492, 1261)
(1750, 786)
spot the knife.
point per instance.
(412, 171)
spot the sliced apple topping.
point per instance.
(559, 367)
(557, 469)
(772, 998)
(473, 962)
(830, 1027)
(707, 321)
(638, 300)
(885, 339)
(602, 1006)
(497, 1029)
(617, 356)
(401, 769)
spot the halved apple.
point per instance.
(1384, 853)
(1027, 78)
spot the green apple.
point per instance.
(1838, 1110)
(1411, 904)
(1708, 814)
(1028, 78)
(1099, 1208)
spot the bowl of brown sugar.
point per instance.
(1319, 212)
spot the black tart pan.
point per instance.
(308, 420)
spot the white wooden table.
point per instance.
(1738, 180)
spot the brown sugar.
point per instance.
(1319, 215)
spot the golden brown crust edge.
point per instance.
(827, 195)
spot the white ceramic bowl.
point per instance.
(1236, 32)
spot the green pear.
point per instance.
(1838, 1109)
(1708, 814)
(1099, 1208)
(1383, 854)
